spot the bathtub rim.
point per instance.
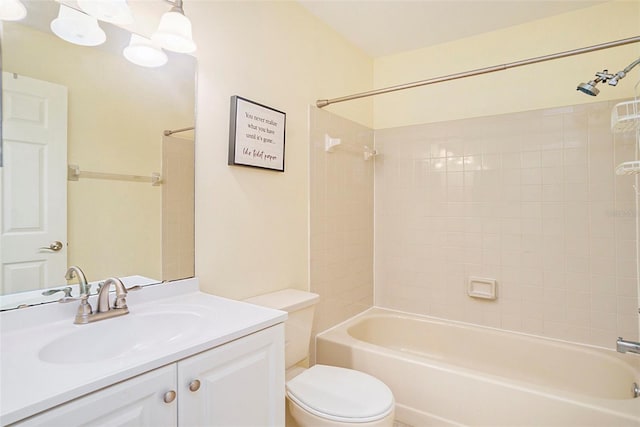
(625, 408)
(406, 314)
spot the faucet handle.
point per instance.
(84, 310)
(120, 301)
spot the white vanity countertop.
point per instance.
(29, 384)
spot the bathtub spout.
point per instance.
(623, 346)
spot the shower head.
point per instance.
(604, 76)
(588, 88)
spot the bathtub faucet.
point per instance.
(623, 346)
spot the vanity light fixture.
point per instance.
(78, 28)
(114, 11)
(174, 31)
(12, 10)
(144, 52)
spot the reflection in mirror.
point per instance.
(89, 178)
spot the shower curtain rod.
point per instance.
(171, 132)
(324, 102)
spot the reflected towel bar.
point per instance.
(171, 132)
(74, 174)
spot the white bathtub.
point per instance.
(449, 373)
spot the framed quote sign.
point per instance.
(256, 135)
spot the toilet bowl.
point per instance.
(324, 396)
(332, 396)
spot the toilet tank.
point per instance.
(300, 306)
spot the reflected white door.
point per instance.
(33, 243)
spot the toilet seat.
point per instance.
(340, 394)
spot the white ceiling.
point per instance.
(386, 27)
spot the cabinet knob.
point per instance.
(169, 396)
(194, 385)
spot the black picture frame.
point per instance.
(256, 135)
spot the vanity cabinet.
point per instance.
(240, 383)
(134, 402)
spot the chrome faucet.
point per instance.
(75, 271)
(623, 346)
(104, 310)
(121, 293)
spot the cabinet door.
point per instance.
(138, 402)
(237, 384)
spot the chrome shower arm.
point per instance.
(613, 80)
(630, 66)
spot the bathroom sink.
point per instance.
(48, 360)
(122, 336)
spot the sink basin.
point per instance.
(121, 336)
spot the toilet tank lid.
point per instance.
(288, 300)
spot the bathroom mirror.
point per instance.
(89, 177)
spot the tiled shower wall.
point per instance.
(341, 235)
(178, 245)
(529, 199)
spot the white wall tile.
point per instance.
(341, 215)
(534, 203)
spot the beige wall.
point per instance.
(252, 225)
(116, 114)
(526, 88)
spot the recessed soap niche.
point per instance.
(482, 287)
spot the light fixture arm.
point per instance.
(177, 6)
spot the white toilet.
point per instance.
(324, 396)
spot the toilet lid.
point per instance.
(341, 394)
